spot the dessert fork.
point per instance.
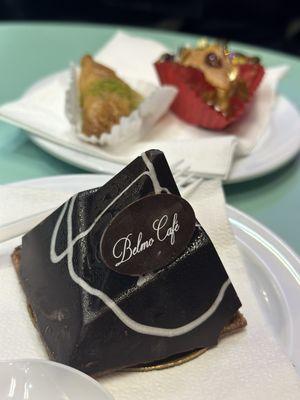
(188, 180)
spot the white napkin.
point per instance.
(132, 56)
(42, 111)
(19, 202)
(248, 365)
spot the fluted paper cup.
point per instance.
(189, 104)
(156, 102)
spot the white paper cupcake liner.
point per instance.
(157, 101)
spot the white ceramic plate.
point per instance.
(47, 380)
(273, 268)
(277, 146)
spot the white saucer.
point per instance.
(47, 380)
(277, 146)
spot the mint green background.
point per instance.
(29, 51)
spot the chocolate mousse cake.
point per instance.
(124, 275)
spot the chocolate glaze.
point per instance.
(77, 328)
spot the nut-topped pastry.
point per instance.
(104, 97)
(214, 83)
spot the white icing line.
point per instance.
(155, 182)
(144, 278)
(53, 256)
(129, 322)
(56, 258)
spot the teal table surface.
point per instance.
(29, 51)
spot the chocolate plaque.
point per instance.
(148, 234)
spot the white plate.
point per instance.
(278, 146)
(47, 380)
(273, 268)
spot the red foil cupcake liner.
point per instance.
(191, 84)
